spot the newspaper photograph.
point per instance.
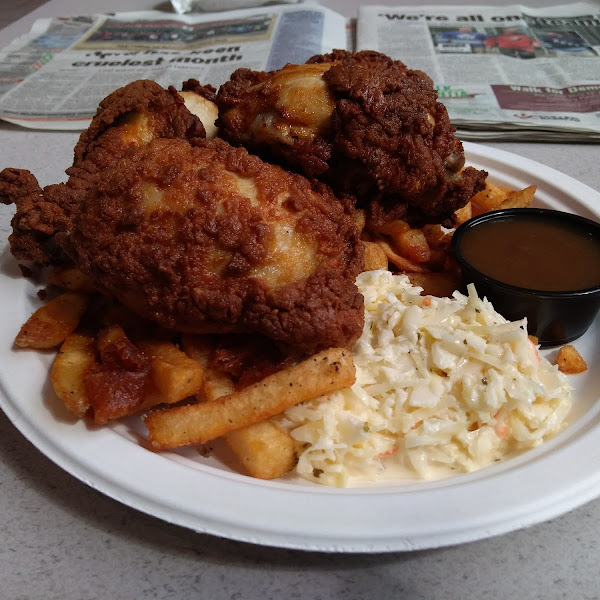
(54, 77)
(509, 71)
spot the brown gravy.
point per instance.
(534, 253)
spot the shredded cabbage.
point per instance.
(443, 385)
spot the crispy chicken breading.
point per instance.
(203, 237)
(129, 117)
(361, 122)
(194, 234)
(206, 238)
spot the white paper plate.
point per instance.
(206, 495)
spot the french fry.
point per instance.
(489, 198)
(462, 214)
(375, 257)
(175, 374)
(121, 384)
(112, 341)
(437, 237)
(393, 231)
(50, 324)
(77, 355)
(263, 449)
(413, 245)
(519, 199)
(266, 451)
(72, 279)
(323, 373)
(393, 228)
(400, 262)
(570, 361)
(214, 383)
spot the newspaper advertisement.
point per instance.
(54, 77)
(502, 71)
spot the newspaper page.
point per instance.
(503, 72)
(54, 77)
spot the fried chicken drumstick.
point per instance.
(361, 122)
(191, 233)
(130, 116)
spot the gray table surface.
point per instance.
(63, 540)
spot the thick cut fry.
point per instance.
(519, 199)
(263, 449)
(214, 383)
(175, 374)
(494, 197)
(440, 284)
(120, 385)
(76, 357)
(462, 214)
(49, 325)
(323, 373)
(113, 341)
(375, 257)
(413, 245)
(437, 237)
(489, 198)
(401, 263)
(72, 279)
(570, 361)
(394, 228)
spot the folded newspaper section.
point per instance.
(503, 72)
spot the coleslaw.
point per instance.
(443, 386)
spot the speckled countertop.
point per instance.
(63, 540)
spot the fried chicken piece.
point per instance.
(129, 117)
(206, 238)
(194, 234)
(200, 100)
(36, 219)
(361, 122)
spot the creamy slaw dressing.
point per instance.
(443, 386)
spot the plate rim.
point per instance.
(337, 520)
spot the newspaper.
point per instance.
(55, 76)
(503, 72)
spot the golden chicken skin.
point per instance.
(361, 122)
(206, 238)
(194, 234)
(129, 117)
